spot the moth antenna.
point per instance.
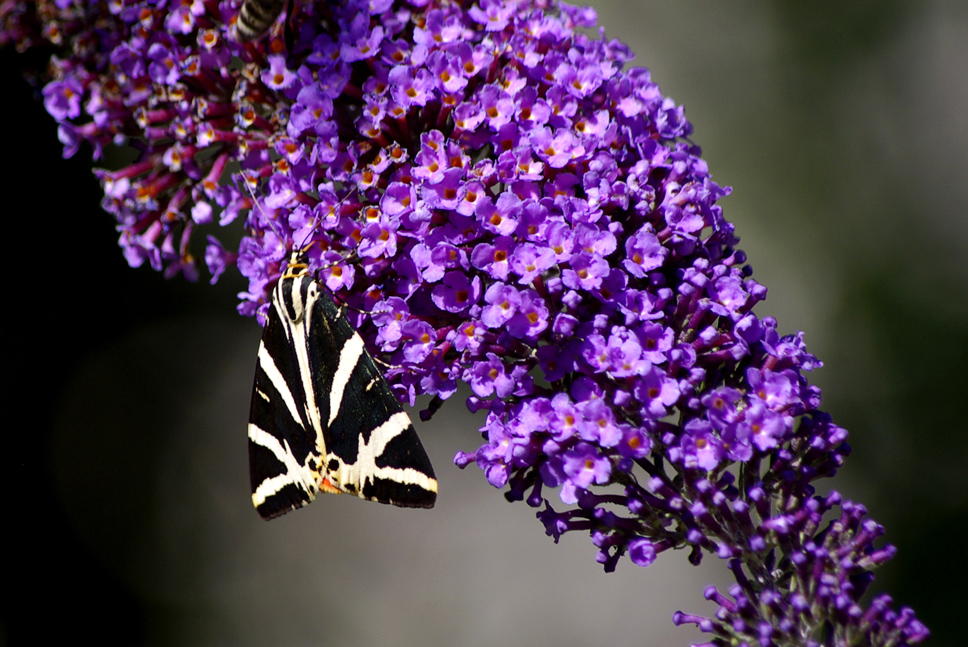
(297, 265)
(248, 181)
(348, 256)
(297, 252)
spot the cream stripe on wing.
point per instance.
(379, 439)
(279, 382)
(295, 473)
(300, 341)
(349, 356)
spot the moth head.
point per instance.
(298, 265)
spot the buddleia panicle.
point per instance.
(501, 202)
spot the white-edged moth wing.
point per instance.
(323, 417)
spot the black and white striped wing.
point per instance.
(323, 416)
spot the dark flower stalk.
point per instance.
(503, 204)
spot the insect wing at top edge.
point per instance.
(254, 19)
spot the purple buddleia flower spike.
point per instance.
(501, 202)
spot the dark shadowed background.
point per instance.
(843, 130)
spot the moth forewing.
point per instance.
(322, 416)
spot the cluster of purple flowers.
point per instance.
(503, 205)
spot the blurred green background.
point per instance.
(843, 130)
